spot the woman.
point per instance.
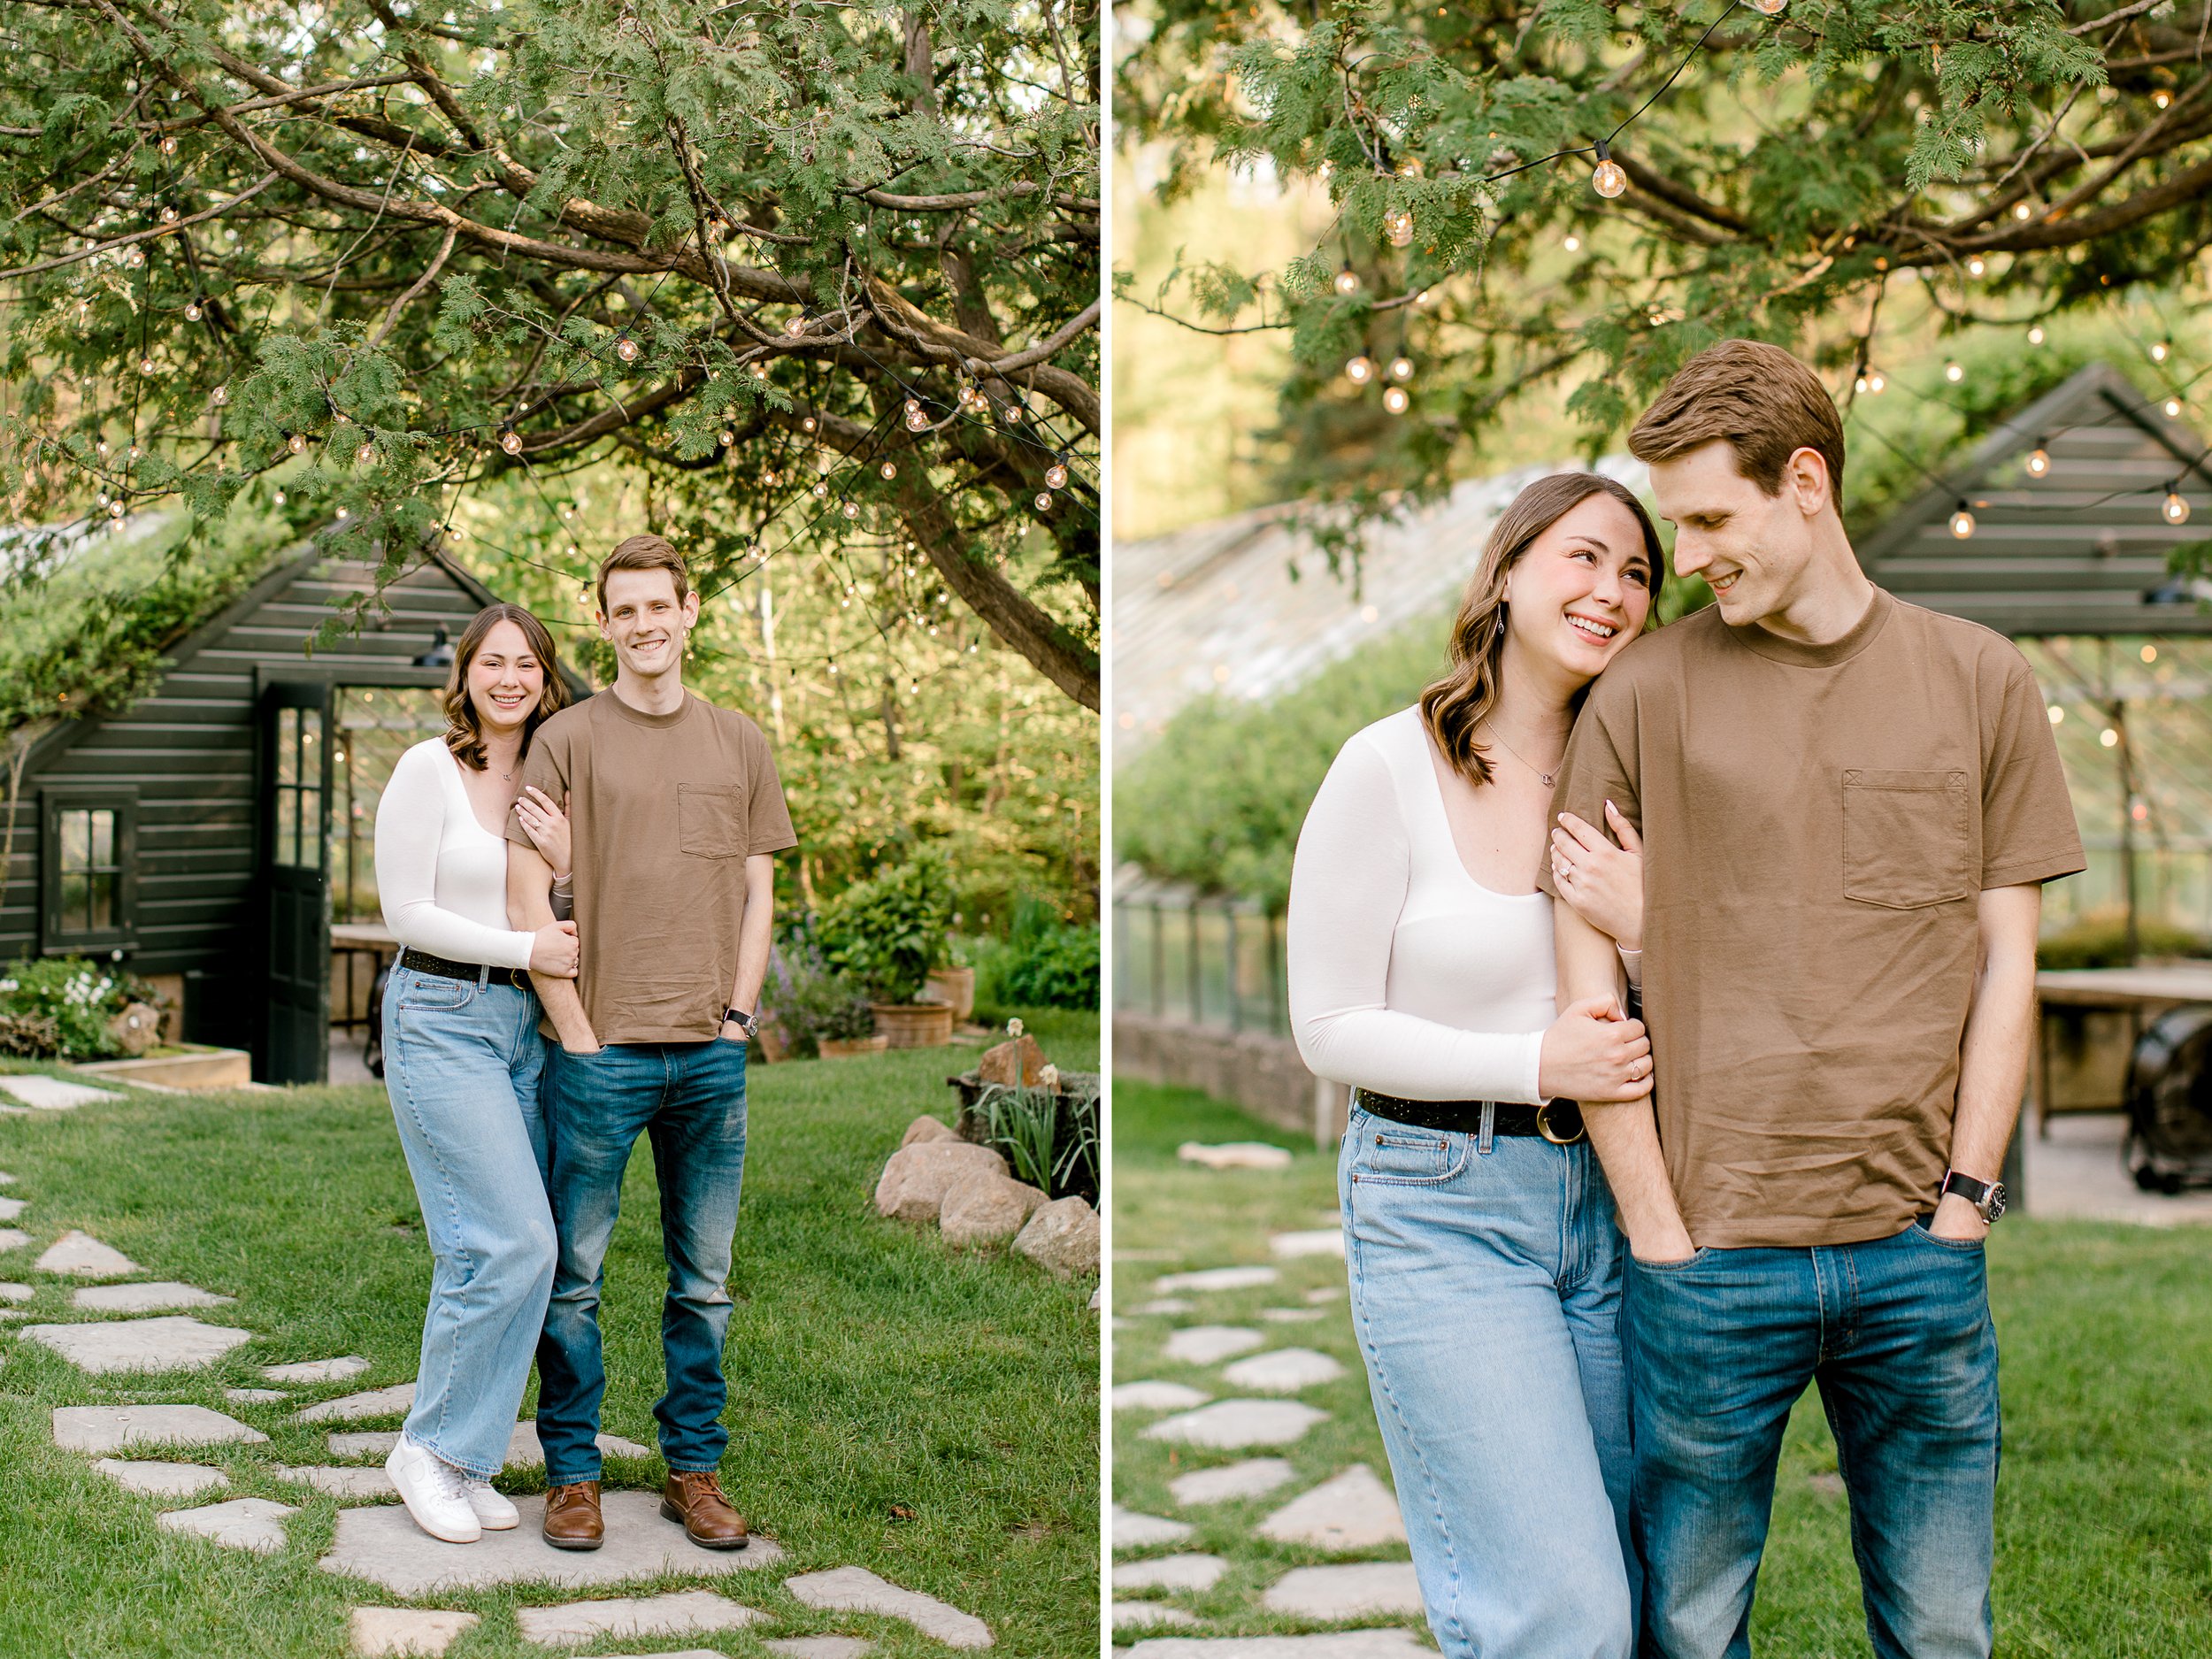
(1484, 1262)
(462, 1056)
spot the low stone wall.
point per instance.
(1259, 1072)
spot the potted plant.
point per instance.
(952, 982)
(817, 1009)
(887, 933)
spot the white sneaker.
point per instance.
(435, 1492)
(493, 1511)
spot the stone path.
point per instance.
(1233, 1424)
(51, 1093)
(84, 1256)
(1133, 1530)
(318, 1370)
(1345, 1644)
(161, 1481)
(358, 1481)
(856, 1590)
(1210, 1344)
(254, 1523)
(1362, 1590)
(378, 1403)
(797, 1647)
(1353, 1511)
(142, 1298)
(1144, 1615)
(112, 1428)
(139, 1345)
(1171, 1572)
(14, 1237)
(10, 1208)
(1284, 1372)
(681, 1614)
(1321, 1241)
(381, 1631)
(1235, 1155)
(1216, 1279)
(1152, 1396)
(1253, 1478)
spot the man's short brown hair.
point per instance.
(644, 553)
(1758, 399)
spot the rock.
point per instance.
(926, 1128)
(1063, 1236)
(1292, 1316)
(381, 1631)
(1346, 1644)
(1235, 1155)
(358, 1481)
(1232, 1425)
(1284, 1372)
(916, 1178)
(1132, 1530)
(161, 1481)
(1353, 1511)
(1362, 1590)
(1139, 1614)
(14, 1237)
(1216, 1279)
(378, 1403)
(84, 1256)
(111, 1428)
(1150, 1396)
(137, 1028)
(1253, 1478)
(113, 1345)
(10, 1208)
(1210, 1344)
(377, 1543)
(146, 1298)
(676, 1615)
(15, 1292)
(254, 1523)
(856, 1590)
(1018, 1063)
(524, 1450)
(50, 1094)
(1165, 1305)
(1171, 1572)
(1326, 1294)
(256, 1396)
(1320, 1241)
(318, 1370)
(983, 1208)
(812, 1647)
(372, 1443)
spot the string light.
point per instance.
(1769, 8)
(1395, 400)
(2160, 350)
(889, 469)
(1962, 522)
(1954, 373)
(1574, 243)
(916, 419)
(1044, 500)
(192, 312)
(1398, 226)
(1875, 382)
(99, 446)
(807, 424)
(1347, 280)
(1608, 180)
(1975, 266)
(852, 510)
(169, 144)
(760, 370)
(168, 215)
(1057, 475)
(627, 348)
(821, 489)
(2175, 508)
(511, 441)
(134, 452)
(145, 366)
(1360, 370)
(364, 454)
(220, 397)
(2035, 335)
(115, 508)
(2173, 408)
(728, 438)
(2021, 210)
(297, 443)
(2039, 460)
(2161, 97)
(1401, 368)
(134, 256)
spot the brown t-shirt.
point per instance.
(664, 810)
(1817, 822)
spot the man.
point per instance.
(675, 811)
(1847, 804)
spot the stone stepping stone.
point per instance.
(1171, 1572)
(1353, 1511)
(6, 1179)
(1362, 1590)
(1325, 1296)
(1235, 1155)
(380, 1544)
(354, 1481)
(161, 1481)
(677, 1615)
(1231, 1426)
(1344, 1644)
(111, 1428)
(10, 1208)
(318, 1370)
(1134, 1529)
(1216, 1279)
(9, 1292)
(524, 1450)
(146, 1298)
(377, 1402)
(150, 1345)
(254, 1523)
(378, 1631)
(81, 1255)
(1210, 1344)
(856, 1590)
(256, 1396)
(1143, 1615)
(51, 1095)
(1321, 1241)
(370, 1443)
(14, 1237)
(805, 1648)
(1292, 1316)
(1253, 1478)
(1164, 1305)
(1284, 1372)
(1150, 1395)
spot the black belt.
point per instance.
(423, 961)
(1558, 1121)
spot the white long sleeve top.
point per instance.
(441, 875)
(1407, 976)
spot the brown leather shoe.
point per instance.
(694, 1498)
(572, 1516)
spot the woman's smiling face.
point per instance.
(506, 679)
(1583, 588)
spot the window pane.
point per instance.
(311, 734)
(75, 904)
(102, 908)
(76, 840)
(311, 829)
(287, 828)
(103, 839)
(288, 746)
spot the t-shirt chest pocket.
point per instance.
(1907, 837)
(710, 820)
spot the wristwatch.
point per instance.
(1988, 1197)
(750, 1023)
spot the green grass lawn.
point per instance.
(2105, 1495)
(929, 1415)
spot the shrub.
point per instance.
(888, 931)
(1042, 963)
(73, 999)
(2100, 941)
(1049, 1139)
(808, 999)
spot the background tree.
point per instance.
(820, 270)
(1976, 166)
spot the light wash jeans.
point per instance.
(1485, 1295)
(1897, 1333)
(688, 1099)
(461, 1061)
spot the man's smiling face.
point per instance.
(1751, 547)
(645, 621)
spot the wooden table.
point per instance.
(2141, 993)
(356, 939)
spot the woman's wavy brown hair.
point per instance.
(1456, 705)
(465, 733)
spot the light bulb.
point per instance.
(220, 397)
(1360, 370)
(145, 366)
(1013, 414)
(1574, 244)
(511, 441)
(915, 420)
(134, 452)
(760, 371)
(2035, 335)
(1954, 373)
(2039, 462)
(1975, 266)
(169, 144)
(115, 509)
(364, 454)
(1859, 385)
(2160, 352)
(1044, 500)
(280, 498)
(1347, 280)
(1608, 180)
(1395, 400)
(1401, 368)
(771, 477)
(168, 215)
(627, 348)
(2021, 210)
(2161, 97)
(1771, 8)
(807, 424)
(852, 510)
(728, 438)
(820, 489)
(796, 326)
(134, 256)
(1056, 476)
(192, 312)
(1398, 226)
(1875, 382)
(2175, 508)
(1961, 522)
(297, 443)
(101, 498)
(2173, 408)
(889, 469)
(344, 512)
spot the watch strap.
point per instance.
(750, 1023)
(1966, 1187)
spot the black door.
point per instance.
(296, 746)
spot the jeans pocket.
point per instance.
(1663, 1269)
(431, 993)
(1397, 1155)
(1956, 1247)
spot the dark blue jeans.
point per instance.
(689, 1099)
(1897, 1333)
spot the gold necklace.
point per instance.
(1548, 778)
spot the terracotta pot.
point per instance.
(769, 1042)
(955, 986)
(914, 1025)
(846, 1047)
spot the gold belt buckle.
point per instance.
(1543, 1127)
